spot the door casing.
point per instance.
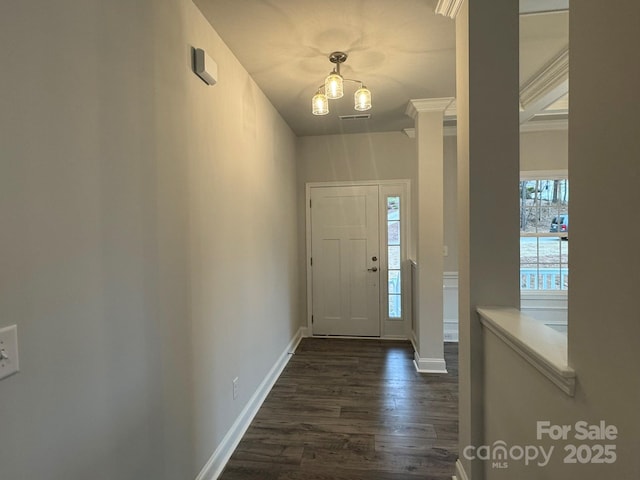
(389, 329)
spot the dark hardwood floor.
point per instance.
(353, 410)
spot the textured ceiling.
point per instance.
(400, 49)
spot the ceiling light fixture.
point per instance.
(333, 89)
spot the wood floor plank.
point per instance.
(403, 444)
(266, 452)
(388, 426)
(348, 474)
(348, 409)
(434, 461)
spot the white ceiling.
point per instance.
(400, 49)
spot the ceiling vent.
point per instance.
(362, 116)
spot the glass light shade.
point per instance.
(320, 104)
(362, 99)
(333, 86)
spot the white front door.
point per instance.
(345, 261)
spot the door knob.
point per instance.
(374, 269)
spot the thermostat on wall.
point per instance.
(205, 67)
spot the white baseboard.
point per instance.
(460, 473)
(426, 365)
(429, 365)
(214, 466)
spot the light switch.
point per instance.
(8, 351)
(445, 251)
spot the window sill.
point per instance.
(542, 347)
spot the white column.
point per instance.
(428, 115)
(487, 99)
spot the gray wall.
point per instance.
(548, 150)
(140, 211)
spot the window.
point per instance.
(544, 234)
(394, 273)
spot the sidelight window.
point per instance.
(394, 271)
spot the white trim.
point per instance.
(544, 308)
(544, 175)
(410, 132)
(308, 259)
(214, 466)
(405, 184)
(460, 473)
(450, 331)
(546, 79)
(426, 365)
(387, 338)
(447, 131)
(547, 125)
(391, 337)
(357, 183)
(545, 87)
(429, 365)
(452, 110)
(548, 307)
(450, 306)
(394, 327)
(420, 105)
(542, 347)
(304, 333)
(449, 8)
(544, 125)
(558, 297)
(414, 341)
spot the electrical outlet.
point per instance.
(235, 388)
(445, 251)
(8, 351)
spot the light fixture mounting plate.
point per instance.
(338, 57)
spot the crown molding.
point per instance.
(428, 105)
(410, 132)
(534, 126)
(448, 8)
(447, 131)
(546, 79)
